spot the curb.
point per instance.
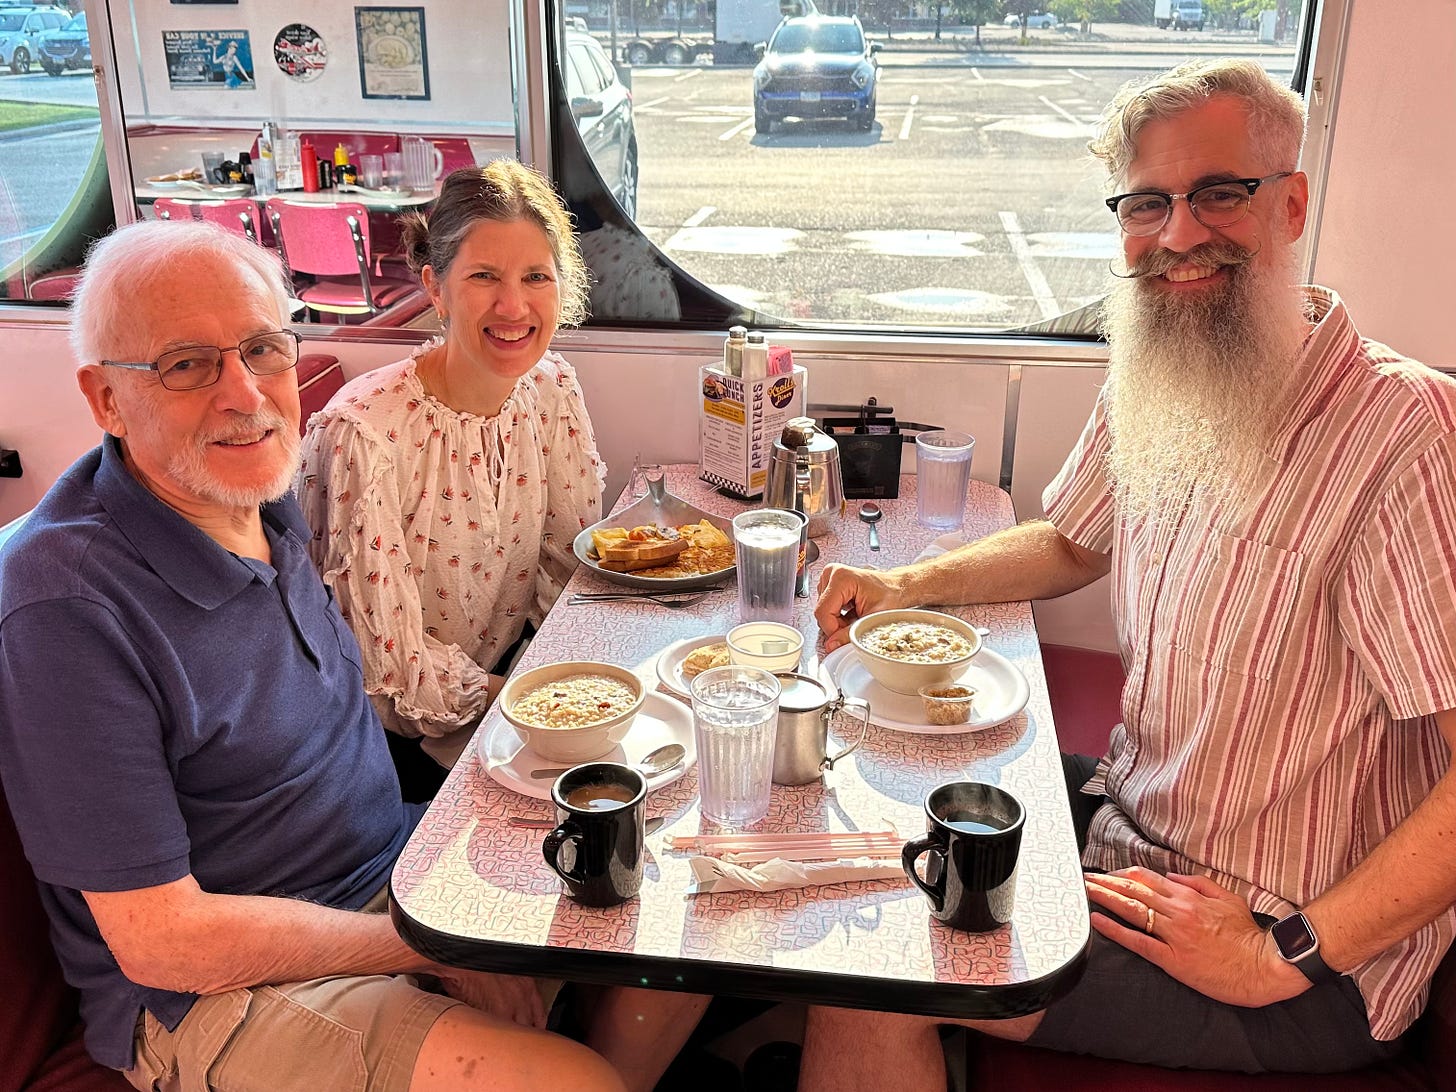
(12, 135)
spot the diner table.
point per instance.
(373, 200)
(472, 890)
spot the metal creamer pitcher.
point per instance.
(803, 474)
(801, 743)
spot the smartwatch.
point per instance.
(1295, 939)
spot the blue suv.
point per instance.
(816, 66)
(69, 47)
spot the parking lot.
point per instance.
(972, 202)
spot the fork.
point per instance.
(668, 599)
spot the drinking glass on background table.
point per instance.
(767, 541)
(211, 162)
(394, 169)
(735, 715)
(942, 478)
(371, 171)
(642, 475)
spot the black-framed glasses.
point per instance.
(201, 365)
(1216, 205)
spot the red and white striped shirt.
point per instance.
(1283, 663)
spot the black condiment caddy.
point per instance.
(869, 440)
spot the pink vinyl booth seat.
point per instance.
(237, 214)
(1085, 689)
(331, 243)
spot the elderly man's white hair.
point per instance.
(121, 268)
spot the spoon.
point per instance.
(869, 512)
(653, 763)
(811, 555)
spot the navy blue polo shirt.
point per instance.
(168, 708)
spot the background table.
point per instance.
(473, 891)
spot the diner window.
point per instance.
(880, 166)
(54, 190)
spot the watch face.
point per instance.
(1294, 938)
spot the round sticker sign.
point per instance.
(300, 52)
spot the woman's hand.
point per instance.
(1200, 933)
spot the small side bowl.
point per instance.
(578, 744)
(902, 676)
(948, 704)
(772, 646)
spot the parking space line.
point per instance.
(698, 217)
(733, 132)
(1073, 118)
(1080, 76)
(687, 75)
(909, 118)
(1040, 289)
(651, 103)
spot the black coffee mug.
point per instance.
(600, 811)
(974, 840)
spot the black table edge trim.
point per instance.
(681, 974)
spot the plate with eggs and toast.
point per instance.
(659, 543)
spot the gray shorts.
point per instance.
(1126, 1008)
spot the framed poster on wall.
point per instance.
(393, 63)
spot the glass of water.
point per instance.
(767, 546)
(735, 715)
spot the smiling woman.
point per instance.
(445, 490)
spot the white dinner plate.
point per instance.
(670, 662)
(171, 183)
(662, 720)
(234, 189)
(1001, 692)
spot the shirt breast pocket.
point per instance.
(1236, 601)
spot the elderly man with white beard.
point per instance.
(1270, 839)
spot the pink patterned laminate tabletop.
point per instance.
(470, 889)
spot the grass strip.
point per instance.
(25, 115)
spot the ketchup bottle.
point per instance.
(309, 158)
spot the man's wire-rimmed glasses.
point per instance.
(1216, 205)
(196, 366)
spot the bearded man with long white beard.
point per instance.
(1270, 839)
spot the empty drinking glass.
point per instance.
(394, 169)
(643, 474)
(735, 716)
(942, 478)
(371, 171)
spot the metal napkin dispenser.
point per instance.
(803, 473)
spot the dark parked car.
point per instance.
(816, 66)
(69, 47)
(602, 108)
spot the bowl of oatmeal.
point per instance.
(572, 712)
(908, 649)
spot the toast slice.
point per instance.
(644, 552)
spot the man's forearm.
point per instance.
(204, 943)
(1408, 880)
(1030, 561)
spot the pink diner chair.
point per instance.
(331, 244)
(237, 214)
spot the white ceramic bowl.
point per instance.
(903, 676)
(577, 744)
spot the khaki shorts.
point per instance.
(355, 1034)
(351, 1034)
